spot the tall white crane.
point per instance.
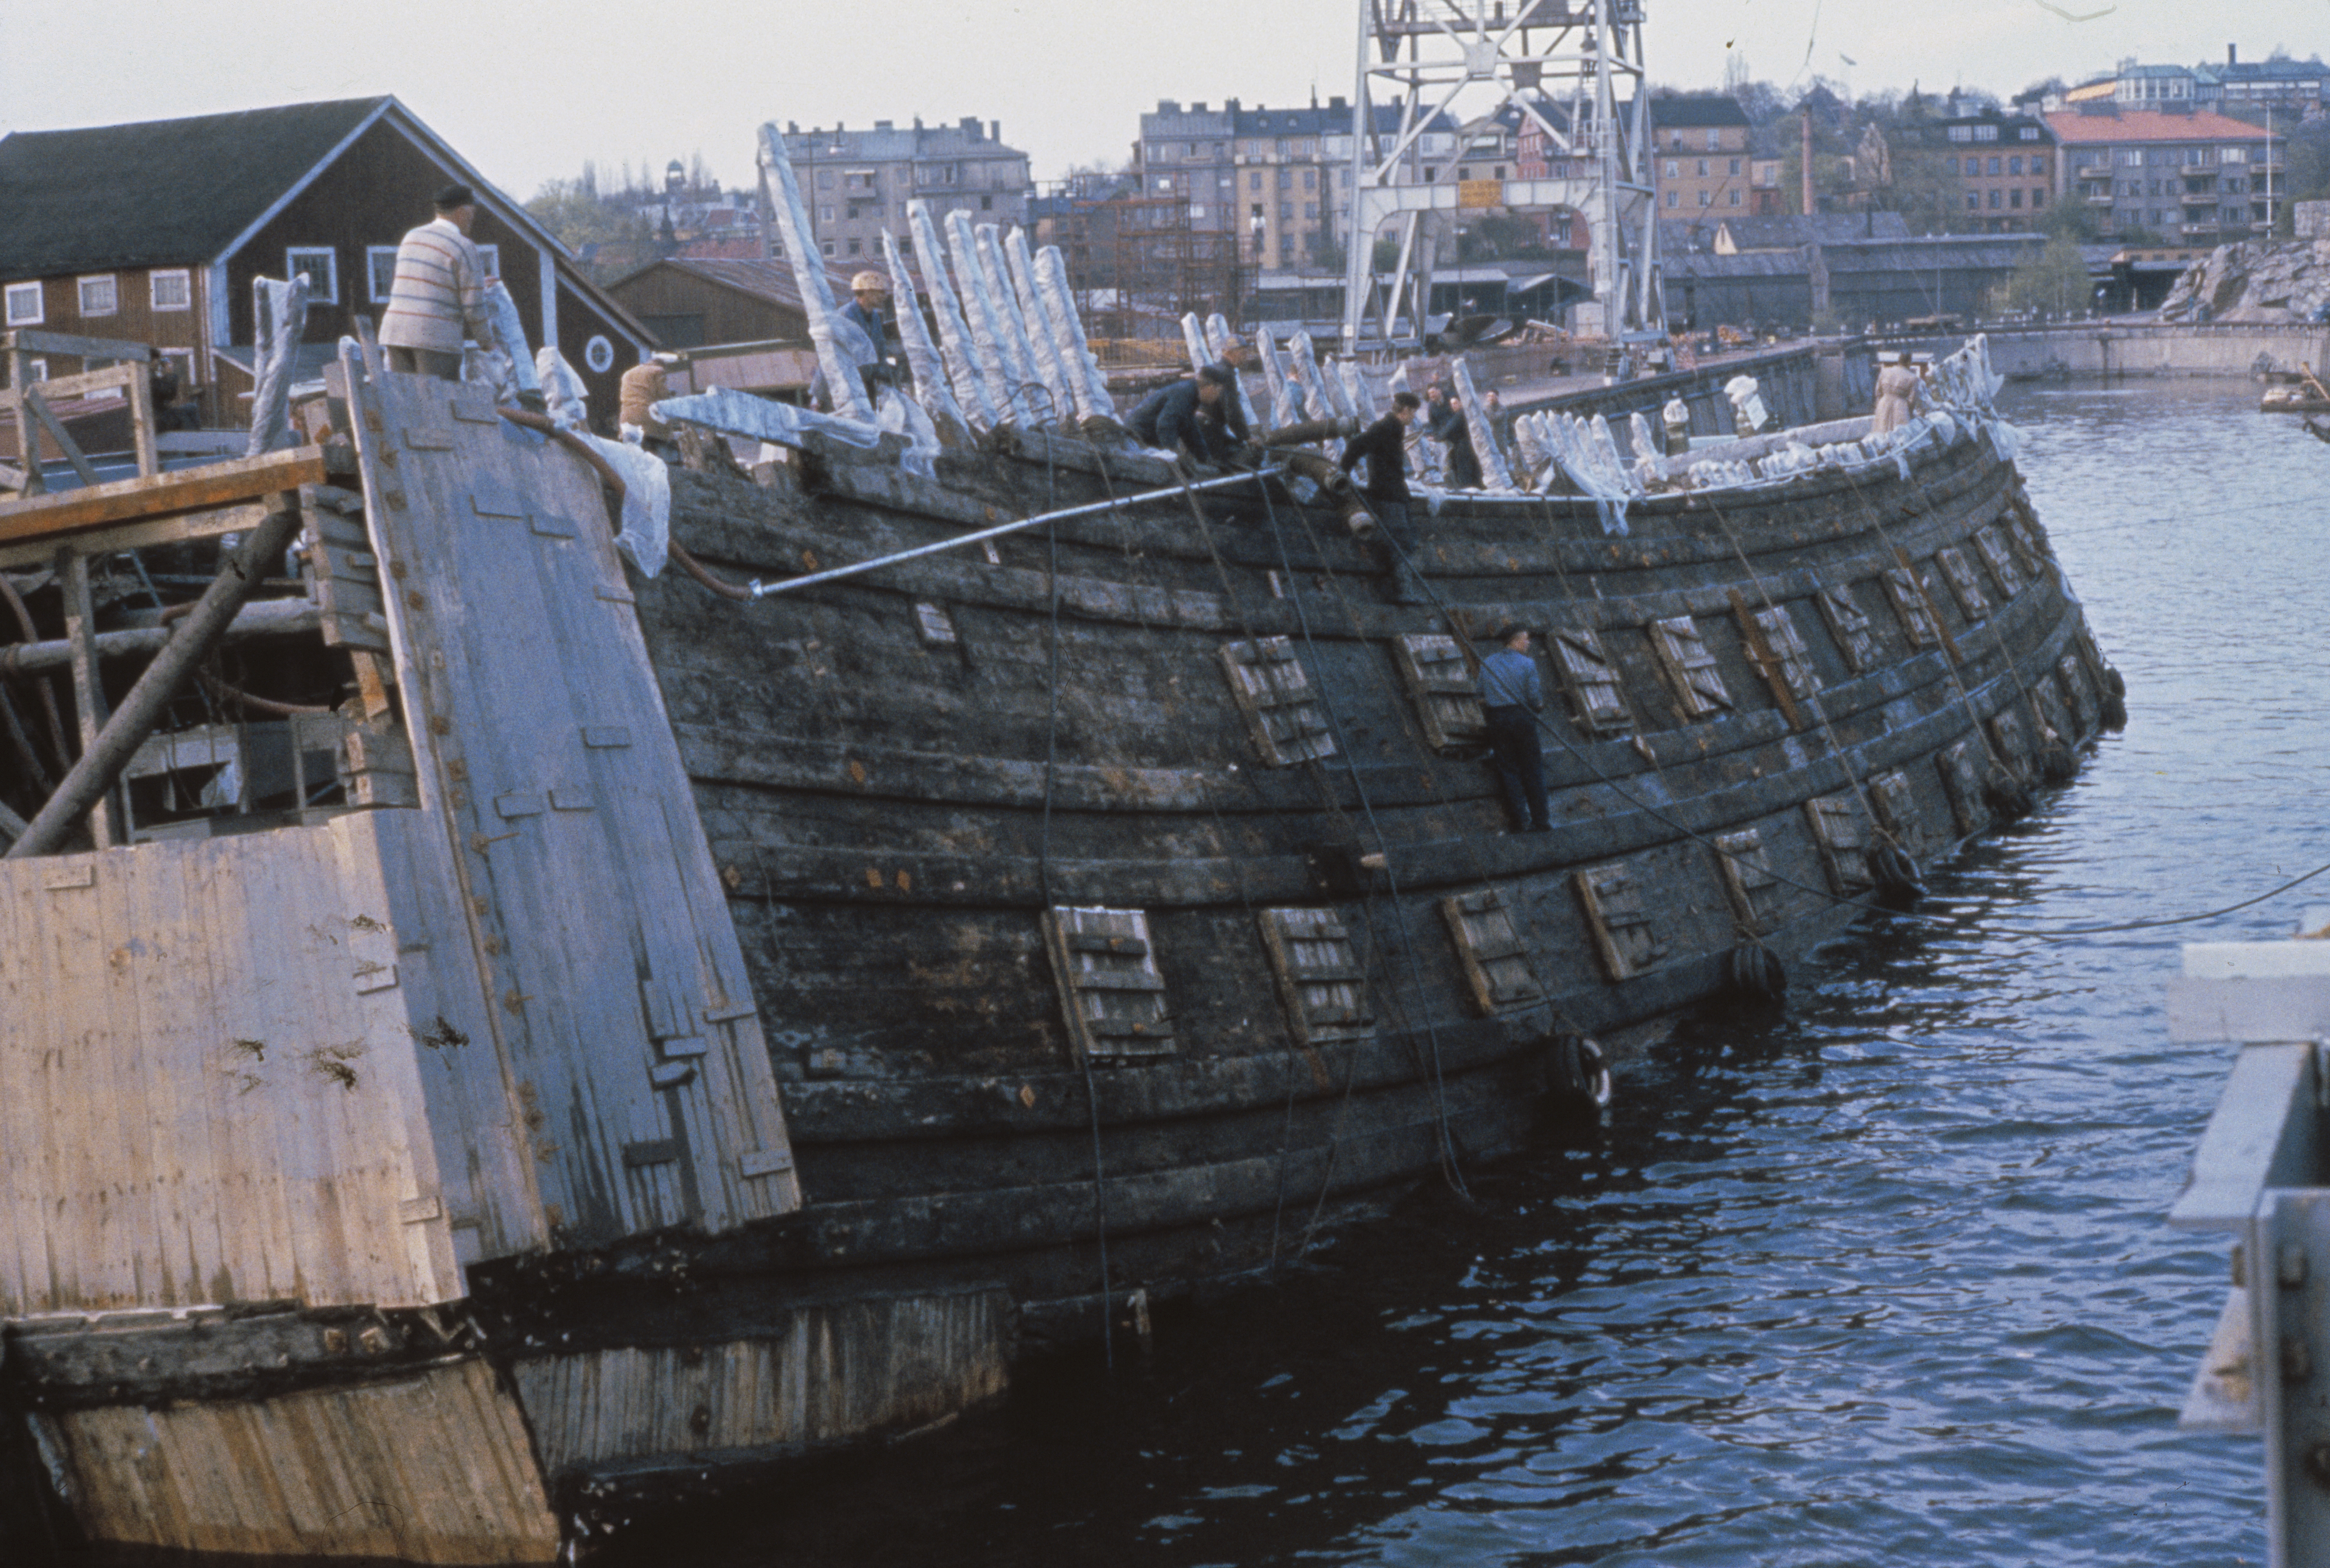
(1435, 75)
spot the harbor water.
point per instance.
(1885, 1280)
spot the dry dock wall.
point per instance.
(2134, 349)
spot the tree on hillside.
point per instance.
(576, 212)
(2055, 281)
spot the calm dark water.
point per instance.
(1885, 1281)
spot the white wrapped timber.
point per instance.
(735, 413)
(1059, 301)
(982, 404)
(1355, 387)
(1287, 401)
(1316, 399)
(949, 426)
(1217, 343)
(280, 312)
(1042, 347)
(1007, 381)
(1494, 474)
(645, 537)
(566, 398)
(901, 415)
(1017, 351)
(502, 311)
(841, 344)
(1532, 447)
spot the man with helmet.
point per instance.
(869, 297)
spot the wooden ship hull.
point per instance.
(657, 1030)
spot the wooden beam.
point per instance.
(88, 687)
(30, 402)
(140, 388)
(142, 534)
(11, 477)
(161, 496)
(58, 388)
(11, 403)
(31, 340)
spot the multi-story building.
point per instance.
(1281, 178)
(2299, 86)
(1703, 163)
(1996, 172)
(858, 183)
(2190, 177)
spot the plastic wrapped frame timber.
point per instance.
(1006, 382)
(1075, 351)
(1041, 344)
(279, 311)
(1217, 340)
(979, 402)
(1045, 403)
(931, 389)
(841, 344)
(1494, 474)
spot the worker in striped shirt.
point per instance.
(440, 292)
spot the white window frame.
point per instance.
(185, 359)
(37, 366)
(378, 288)
(185, 280)
(492, 256)
(15, 296)
(330, 294)
(80, 293)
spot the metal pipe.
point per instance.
(1094, 509)
(142, 709)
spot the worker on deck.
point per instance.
(1383, 447)
(1237, 354)
(1897, 384)
(868, 311)
(1185, 417)
(1514, 693)
(439, 293)
(1456, 432)
(644, 385)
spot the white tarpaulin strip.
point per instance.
(1018, 353)
(1042, 346)
(280, 313)
(742, 415)
(1494, 474)
(645, 538)
(1068, 334)
(841, 344)
(503, 312)
(1217, 340)
(1006, 382)
(568, 400)
(972, 392)
(922, 354)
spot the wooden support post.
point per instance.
(88, 686)
(140, 388)
(103, 760)
(30, 402)
(28, 443)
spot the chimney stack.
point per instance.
(2232, 54)
(1808, 162)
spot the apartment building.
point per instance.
(858, 183)
(1704, 167)
(2190, 177)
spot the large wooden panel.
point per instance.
(621, 1013)
(216, 1093)
(433, 1467)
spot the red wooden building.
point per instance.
(153, 233)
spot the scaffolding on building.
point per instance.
(1137, 265)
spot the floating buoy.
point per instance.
(1895, 873)
(2009, 797)
(1579, 1072)
(1757, 970)
(2057, 765)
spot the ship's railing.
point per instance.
(2258, 1177)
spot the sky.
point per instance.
(529, 91)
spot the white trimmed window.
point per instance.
(182, 360)
(101, 295)
(172, 290)
(493, 257)
(321, 265)
(23, 304)
(36, 369)
(379, 272)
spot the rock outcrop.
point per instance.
(2289, 281)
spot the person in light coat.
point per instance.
(1897, 384)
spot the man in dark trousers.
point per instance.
(1513, 693)
(1186, 417)
(1384, 445)
(1456, 431)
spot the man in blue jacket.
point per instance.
(1186, 417)
(1513, 693)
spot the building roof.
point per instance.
(174, 191)
(1684, 113)
(2073, 127)
(1781, 232)
(884, 141)
(763, 279)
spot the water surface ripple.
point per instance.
(1886, 1281)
